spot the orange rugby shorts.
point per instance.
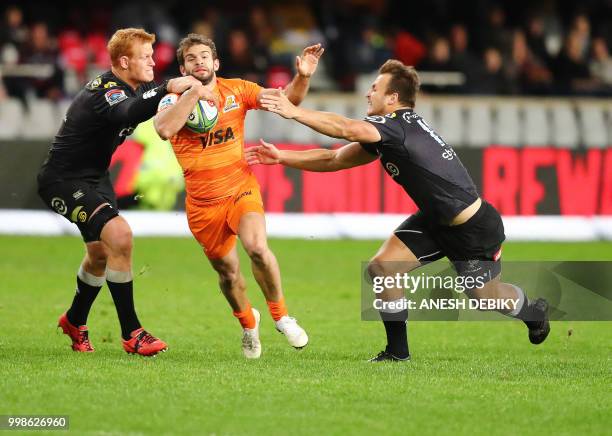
(215, 224)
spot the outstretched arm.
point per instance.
(327, 123)
(319, 159)
(306, 65)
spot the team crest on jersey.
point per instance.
(115, 96)
(230, 103)
(59, 205)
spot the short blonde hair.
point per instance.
(121, 42)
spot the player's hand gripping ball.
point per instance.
(203, 117)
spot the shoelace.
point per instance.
(248, 340)
(84, 338)
(146, 337)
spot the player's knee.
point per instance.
(124, 242)
(257, 251)
(376, 268)
(119, 238)
(97, 259)
(229, 278)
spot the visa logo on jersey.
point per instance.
(217, 137)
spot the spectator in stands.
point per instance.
(13, 34)
(462, 58)
(439, 61)
(581, 28)
(439, 58)
(601, 63)
(536, 39)
(529, 72)
(262, 31)
(407, 48)
(370, 50)
(240, 60)
(40, 50)
(13, 30)
(493, 80)
(572, 75)
(495, 34)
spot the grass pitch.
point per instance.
(465, 378)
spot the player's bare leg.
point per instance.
(533, 314)
(252, 233)
(231, 280)
(233, 286)
(116, 236)
(393, 257)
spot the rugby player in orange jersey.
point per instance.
(223, 197)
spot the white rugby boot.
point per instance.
(296, 336)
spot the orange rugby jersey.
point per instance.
(213, 163)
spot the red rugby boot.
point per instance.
(143, 343)
(79, 335)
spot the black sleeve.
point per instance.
(390, 131)
(370, 148)
(115, 105)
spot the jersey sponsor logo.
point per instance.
(78, 215)
(242, 195)
(78, 194)
(95, 83)
(59, 205)
(115, 96)
(217, 137)
(110, 84)
(150, 93)
(126, 131)
(376, 119)
(406, 116)
(448, 154)
(392, 169)
(230, 103)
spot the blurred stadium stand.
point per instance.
(462, 121)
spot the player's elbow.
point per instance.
(295, 100)
(163, 130)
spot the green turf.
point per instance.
(465, 378)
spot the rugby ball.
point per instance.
(203, 117)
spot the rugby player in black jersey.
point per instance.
(74, 181)
(452, 220)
